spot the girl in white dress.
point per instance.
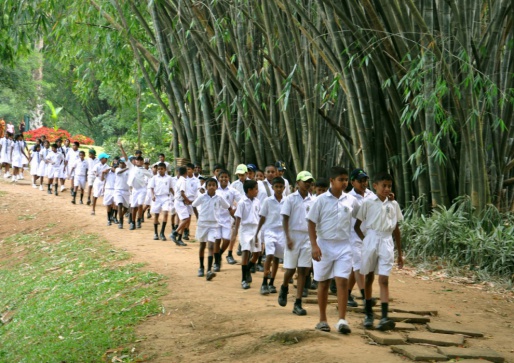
(17, 154)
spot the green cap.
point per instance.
(92, 151)
(304, 176)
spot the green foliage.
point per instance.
(71, 298)
(483, 242)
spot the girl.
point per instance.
(17, 154)
(5, 153)
(41, 172)
(34, 165)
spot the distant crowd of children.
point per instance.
(313, 227)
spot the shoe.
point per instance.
(56, 193)
(253, 269)
(210, 275)
(34, 186)
(138, 225)
(298, 310)
(249, 278)
(245, 285)
(88, 201)
(73, 201)
(368, 321)
(342, 327)
(180, 243)
(239, 252)
(272, 289)
(114, 220)
(49, 191)
(41, 187)
(260, 267)
(282, 296)
(351, 302)
(63, 188)
(163, 237)
(385, 324)
(305, 292)
(185, 237)
(81, 202)
(201, 272)
(173, 236)
(21, 177)
(216, 268)
(109, 222)
(314, 285)
(132, 226)
(264, 290)
(333, 287)
(120, 226)
(230, 260)
(155, 237)
(148, 215)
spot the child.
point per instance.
(321, 186)
(330, 222)
(260, 175)
(121, 190)
(182, 207)
(79, 169)
(379, 216)
(160, 187)
(274, 237)
(54, 160)
(207, 229)
(98, 185)
(247, 216)
(252, 169)
(297, 255)
(5, 153)
(91, 163)
(225, 217)
(34, 164)
(109, 178)
(41, 171)
(242, 175)
(17, 154)
(192, 185)
(148, 197)
(281, 169)
(71, 156)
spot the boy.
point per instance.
(274, 237)
(98, 185)
(109, 177)
(297, 255)
(242, 175)
(79, 170)
(225, 217)
(247, 216)
(330, 223)
(91, 163)
(192, 185)
(207, 229)
(252, 169)
(121, 190)
(161, 188)
(281, 169)
(379, 216)
(54, 159)
(71, 156)
(182, 207)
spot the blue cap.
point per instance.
(122, 160)
(131, 157)
(252, 167)
(104, 156)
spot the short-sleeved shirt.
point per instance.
(121, 182)
(360, 199)
(137, 174)
(71, 156)
(99, 169)
(333, 216)
(91, 163)
(297, 207)
(209, 206)
(238, 185)
(231, 196)
(270, 209)
(161, 184)
(80, 167)
(248, 210)
(55, 158)
(263, 191)
(381, 216)
(192, 187)
(180, 187)
(110, 179)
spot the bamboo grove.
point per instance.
(420, 88)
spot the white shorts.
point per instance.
(108, 197)
(161, 203)
(246, 239)
(336, 260)
(41, 168)
(53, 173)
(98, 188)
(301, 253)
(275, 242)
(80, 181)
(356, 254)
(71, 174)
(62, 172)
(183, 211)
(90, 180)
(224, 232)
(377, 253)
(148, 197)
(122, 197)
(137, 197)
(206, 233)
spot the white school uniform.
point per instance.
(109, 180)
(297, 207)
(231, 196)
(333, 219)
(71, 157)
(354, 238)
(148, 195)
(380, 219)
(34, 163)
(136, 180)
(207, 226)
(161, 186)
(183, 211)
(91, 164)
(54, 160)
(62, 173)
(238, 185)
(121, 187)
(99, 184)
(274, 235)
(16, 154)
(265, 190)
(80, 173)
(172, 195)
(5, 156)
(42, 162)
(248, 211)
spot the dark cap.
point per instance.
(138, 152)
(280, 165)
(358, 174)
(252, 167)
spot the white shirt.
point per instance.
(71, 156)
(360, 199)
(380, 216)
(271, 211)
(55, 159)
(180, 187)
(80, 167)
(121, 181)
(6, 147)
(333, 216)
(297, 208)
(91, 163)
(110, 179)
(161, 185)
(263, 192)
(231, 196)
(248, 211)
(174, 187)
(208, 208)
(238, 185)
(136, 178)
(99, 169)
(192, 187)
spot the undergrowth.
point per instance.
(71, 298)
(460, 237)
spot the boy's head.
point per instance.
(217, 169)
(75, 145)
(190, 169)
(250, 188)
(281, 167)
(103, 157)
(321, 185)
(37, 147)
(278, 185)
(182, 171)
(138, 153)
(270, 172)
(67, 142)
(241, 172)
(139, 161)
(92, 153)
(82, 154)
(211, 185)
(146, 163)
(122, 163)
(252, 169)
(383, 185)
(54, 147)
(198, 169)
(224, 178)
(161, 169)
(304, 180)
(338, 179)
(162, 158)
(259, 175)
(58, 142)
(359, 180)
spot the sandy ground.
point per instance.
(218, 321)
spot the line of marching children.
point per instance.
(341, 238)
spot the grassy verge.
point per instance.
(71, 298)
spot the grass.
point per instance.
(27, 217)
(71, 298)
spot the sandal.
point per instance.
(93, 213)
(323, 326)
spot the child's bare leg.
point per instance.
(368, 288)
(211, 255)
(383, 282)
(274, 267)
(217, 245)
(342, 296)
(300, 283)
(323, 299)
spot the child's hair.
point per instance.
(139, 158)
(18, 136)
(335, 171)
(76, 143)
(161, 154)
(190, 165)
(278, 180)
(54, 145)
(249, 184)
(211, 180)
(218, 166)
(322, 183)
(382, 176)
(224, 172)
(161, 165)
(270, 166)
(82, 152)
(182, 170)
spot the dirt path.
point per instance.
(218, 321)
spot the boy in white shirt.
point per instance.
(247, 216)
(242, 176)
(71, 156)
(274, 236)
(297, 255)
(182, 207)
(207, 229)
(121, 190)
(380, 217)
(54, 159)
(109, 178)
(192, 184)
(281, 169)
(225, 218)
(91, 163)
(160, 187)
(79, 170)
(330, 223)
(98, 185)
